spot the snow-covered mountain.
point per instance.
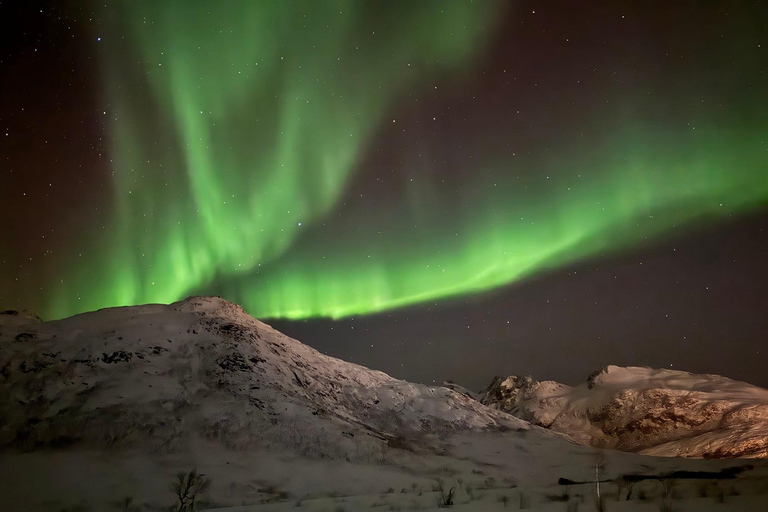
(657, 412)
(101, 411)
(157, 374)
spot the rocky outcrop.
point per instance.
(659, 412)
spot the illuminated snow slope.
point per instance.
(656, 412)
(203, 365)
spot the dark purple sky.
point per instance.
(694, 299)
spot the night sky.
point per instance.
(440, 190)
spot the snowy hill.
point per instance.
(657, 412)
(153, 374)
(100, 412)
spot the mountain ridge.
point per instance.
(652, 411)
(57, 374)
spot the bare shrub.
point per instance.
(668, 492)
(188, 487)
(630, 486)
(445, 499)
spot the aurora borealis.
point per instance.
(314, 160)
(253, 147)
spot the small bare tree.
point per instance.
(630, 487)
(445, 500)
(665, 504)
(187, 487)
(449, 498)
(599, 460)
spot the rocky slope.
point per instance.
(657, 412)
(159, 376)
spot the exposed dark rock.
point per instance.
(119, 356)
(234, 362)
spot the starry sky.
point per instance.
(437, 190)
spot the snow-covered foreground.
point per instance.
(101, 411)
(482, 469)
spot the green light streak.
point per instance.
(608, 204)
(232, 127)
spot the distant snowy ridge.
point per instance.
(654, 412)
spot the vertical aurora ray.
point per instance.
(234, 128)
